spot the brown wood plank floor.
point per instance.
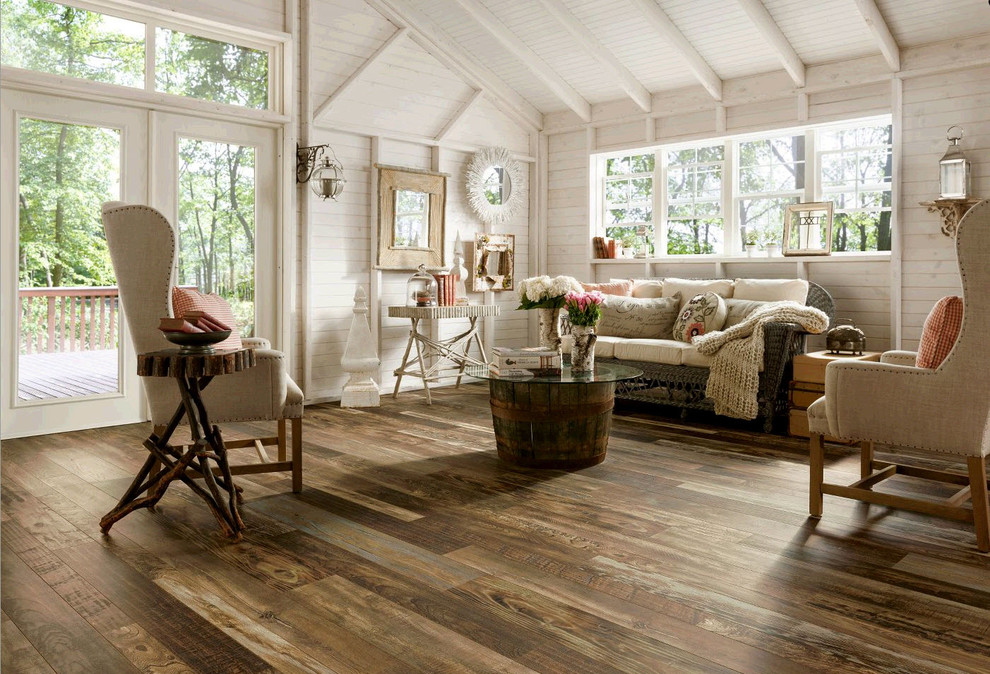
(412, 549)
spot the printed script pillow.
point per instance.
(940, 332)
(190, 299)
(635, 318)
(703, 313)
(614, 287)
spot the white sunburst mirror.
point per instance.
(496, 185)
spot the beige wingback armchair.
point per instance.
(945, 410)
(142, 246)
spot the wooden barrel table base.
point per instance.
(541, 425)
(167, 463)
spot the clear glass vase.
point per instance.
(583, 350)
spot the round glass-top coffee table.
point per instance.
(554, 421)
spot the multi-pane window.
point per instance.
(63, 40)
(694, 200)
(54, 38)
(856, 171)
(771, 176)
(187, 65)
(704, 207)
(628, 203)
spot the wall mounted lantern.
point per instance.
(955, 184)
(324, 175)
(954, 168)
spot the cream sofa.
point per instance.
(675, 373)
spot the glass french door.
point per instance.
(218, 187)
(66, 361)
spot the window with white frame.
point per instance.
(628, 201)
(771, 176)
(62, 39)
(694, 200)
(705, 208)
(856, 172)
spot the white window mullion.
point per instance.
(811, 173)
(730, 192)
(149, 57)
(660, 203)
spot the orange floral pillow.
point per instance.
(940, 332)
(190, 299)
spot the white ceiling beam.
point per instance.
(452, 56)
(458, 116)
(662, 24)
(529, 58)
(771, 32)
(878, 26)
(605, 58)
(379, 54)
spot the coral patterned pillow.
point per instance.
(705, 312)
(940, 332)
(190, 299)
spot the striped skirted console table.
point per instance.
(448, 355)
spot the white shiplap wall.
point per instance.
(931, 105)
(404, 100)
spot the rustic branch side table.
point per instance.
(167, 463)
(451, 354)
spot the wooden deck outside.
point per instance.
(412, 549)
(67, 374)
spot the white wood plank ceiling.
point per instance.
(572, 54)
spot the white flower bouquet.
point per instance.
(543, 292)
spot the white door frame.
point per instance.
(21, 418)
(166, 130)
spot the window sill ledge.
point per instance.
(882, 256)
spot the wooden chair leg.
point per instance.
(297, 455)
(866, 458)
(817, 455)
(981, 503)
(281, 440)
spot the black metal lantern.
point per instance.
(954, 168)
(845, 336)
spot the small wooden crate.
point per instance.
(810, 367)
(808, 385)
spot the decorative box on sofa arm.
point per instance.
(683, 385)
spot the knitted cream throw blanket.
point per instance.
(737, 353)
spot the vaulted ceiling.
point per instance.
(571, 54)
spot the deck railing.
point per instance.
(68, 319)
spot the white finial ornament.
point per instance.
(459, 272)
(360, 359)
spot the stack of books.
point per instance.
(604, 248)
(445, 288)
(524, 362)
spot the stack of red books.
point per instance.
(445, 289)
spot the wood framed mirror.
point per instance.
(411, 205)
(808, 229)
(494, 262)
